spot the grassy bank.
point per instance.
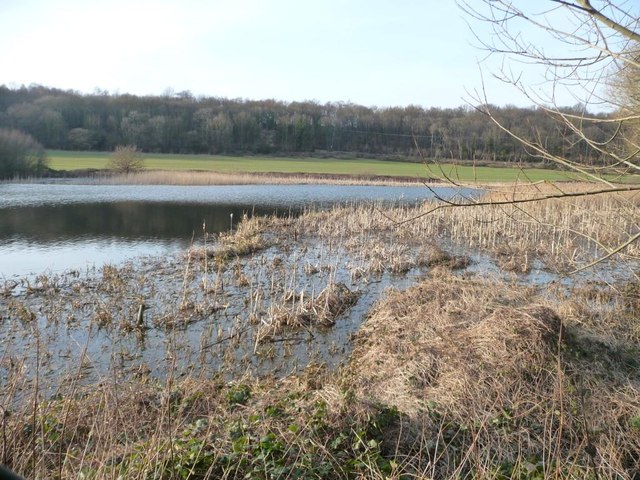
(60, 160)
(476, 370)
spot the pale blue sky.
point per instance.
(370, 52)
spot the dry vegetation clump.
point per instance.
(334, 300)
(419, 326)
(379, 256)
(346, 222)
(248, 238)
(513, 260)
(304, 311)
(630, 293)
(497, 385)
(434, 256)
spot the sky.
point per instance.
(369, 52)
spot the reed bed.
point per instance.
(565, 233)
(164, 177)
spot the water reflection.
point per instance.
(121, 220)
(81, 236)
(20, 258)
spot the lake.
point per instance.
(54, 227)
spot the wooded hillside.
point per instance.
(182, 123)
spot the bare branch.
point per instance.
(586, 6)
(618, 249)
(515, 201)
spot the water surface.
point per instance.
(49, 228)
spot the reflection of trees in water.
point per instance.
(121, 220)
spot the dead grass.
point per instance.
(492, 374)
(197, 428)
(163, 177)
(301, 311)
(607, 311)
(423, 326)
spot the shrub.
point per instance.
(20, 154)
(126, 159)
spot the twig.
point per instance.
(608, 255)
(513, 201)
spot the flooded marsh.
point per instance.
(238, 293)
(54, 227)
(281, 341)
(270, 297)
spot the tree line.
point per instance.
(182, 123)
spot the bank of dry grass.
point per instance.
(495, 384)
(164, 177)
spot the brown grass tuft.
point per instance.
(434, 256)
(304, 311)
(246, 239)
(436, 334)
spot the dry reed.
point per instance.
(303, 311)
(163, 177)
(565, 233)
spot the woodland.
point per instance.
(183, 123)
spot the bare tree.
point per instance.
(126, 159)
(584, 50)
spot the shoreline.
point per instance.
(208, 178)
(204, 177)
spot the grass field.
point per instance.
(61, 160)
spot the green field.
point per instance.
(62, 160)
